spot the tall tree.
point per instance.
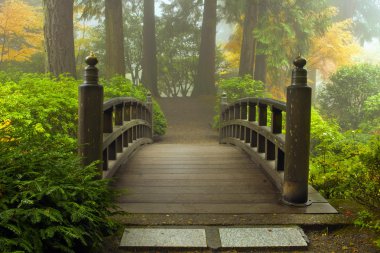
(59, 36)
(247, 52)
(149, 64)
(114, 62)
(205, 79)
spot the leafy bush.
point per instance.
(344, 96)
(48, 202)
(237, 88)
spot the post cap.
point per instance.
(91, 59)
(299, 62)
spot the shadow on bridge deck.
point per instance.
(189, 172)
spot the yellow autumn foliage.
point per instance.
(233, 46)
(335, 48)
(21, 31)
(5, 131)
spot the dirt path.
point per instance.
(189, 120)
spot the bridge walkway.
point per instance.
(187, 171)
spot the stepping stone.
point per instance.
(164, 237)
(262, 237)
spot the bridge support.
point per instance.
(297, 144)
(90, 125)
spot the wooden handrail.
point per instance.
(126, 130)
(110, 132)
(244, 124)
(284, 158)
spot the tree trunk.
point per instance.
(247, 52)
(114, 59)
(312, 76)
(261, 68)
(149, 62)
(205, 79)
(59, 36)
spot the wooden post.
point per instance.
(297, 144)
(90, 125)
(223, 106)
(149, 105)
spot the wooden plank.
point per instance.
(257, 208)
(237, 163)
(208, 198)
(230, 189)
(163, 170)
(128, 182)
(188, 177)
(185, 166)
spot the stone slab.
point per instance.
(262, 237)
(164, 237)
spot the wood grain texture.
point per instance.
(193, 178)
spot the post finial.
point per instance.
(91, 72)
(149, 97)
(299, 74)
(299, 62)
(91, 59)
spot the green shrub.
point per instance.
(48, 202)
(237, 88)
(344, 96)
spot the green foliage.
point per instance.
(237, 88)
(371, 122)
(48, 202)
(345, 165)
(345, 95)
(368, 220)
(42, 104)
(241, 87)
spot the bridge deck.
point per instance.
(201, 178)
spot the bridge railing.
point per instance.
(127, 124)
(284, 157)
(244, 123)
(110, 132)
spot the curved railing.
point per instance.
(110, 132)
(244, 123)
(285, 159)
(127, 124)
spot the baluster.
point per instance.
(107, 121)
(127, 111)
(119, 115)
(262, 122)
(105, 159)
(252, 112)
(119, 144)
(223, 110)
(276, 125)
(125, 138)
(243, 111)
(149, 105)
(253, 139)
(280, 161)
(112, 151)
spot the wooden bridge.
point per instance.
(247, 168)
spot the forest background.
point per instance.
(170, 48)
